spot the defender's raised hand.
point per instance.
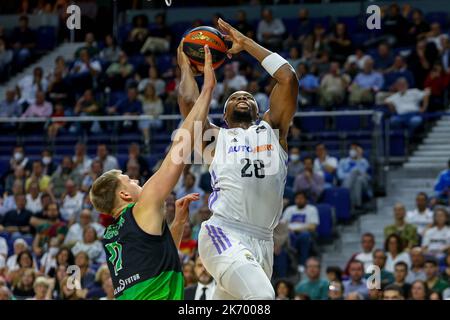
(210, 76)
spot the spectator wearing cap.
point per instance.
(416, 272)
(421, 216)
(433, 281)
(356, 283)
(436, 240)
(310, 182)
(315, 287)
(406, 231)
(302, 219)
(352, 172)
(442, 187)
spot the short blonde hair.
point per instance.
(103, 191)
(41, 281)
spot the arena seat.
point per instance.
(351, 22)
(339, 198)
(325, 227)
(46, 38)
(439, 17)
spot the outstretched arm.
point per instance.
(158, 187)
(181, 216)
(283, 99)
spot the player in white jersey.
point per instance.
(248, 172)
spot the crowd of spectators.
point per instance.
(47, 222)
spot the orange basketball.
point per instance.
(196, 39)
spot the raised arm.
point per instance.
(158, 187)
(283, 99)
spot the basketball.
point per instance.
(196, 39)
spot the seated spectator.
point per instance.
(358, 59)
(17, 176)
(111, 51)
(81, 161)
(406, 231)
(87, 275)
(436, 240)
(95, 172)
(75, 232)
(393, 246)
(437, 82)
(189, 273)
(353, 174)
(101, 276)
(19, 246)
(133, 171)
(366, 256)
(356, 283)
(33, 198)
(50, 227)
(419, 290)
(383, 57)
(232, 80)
(42, 289)
(295, 164)
(6, 57)
(40, 108)
(435, 34)
(155, 80)
(400, 274)
(284, 290)
(304, 25)
(393, 292)
(420, 61)
(433, 281)
(282, 262)
(399, 69)
(309, 182)
(340, 43)
(270, 30)
(138, 35)
(134, 153)
(379, 260)
(84, 71)
(302, 219)
(37, 175)
(119, 72)
(395, 25)
(108, 288)
(23, 41)
(315, 43)
(24, 261)
(48, 261)
(336, 291)
(72, 202)
(294, 57)
(59, 90)
(416, 272)
(9, 202)
(87, 106)
(325, 165)
(29, 86)
(19, 159)
(419, 27)
(243, 26)
(10, 107)
(422, 216)
(49, 166)
(315, 287)
(442, 187)
(108, 161)
(90, 245)
(206, 285)
(308, 83)
(23, 289)
(129, 106)
(189, 186)
(365, 85)
(63, 258)
(152, 106)
(16, 222)
(90, 46)
(63, 173)
(159, 37)
(56, 126)
(333, 86)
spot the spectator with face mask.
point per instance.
(352, 172)
(295, 165)
(48, 163)
(206, 285)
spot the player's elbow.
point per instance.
(287, 75)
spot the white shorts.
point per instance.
(241, 263)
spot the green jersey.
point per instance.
(142, 266)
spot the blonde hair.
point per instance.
(41, 281)
(98, 275)
(103, 191)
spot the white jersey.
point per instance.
(248, 175)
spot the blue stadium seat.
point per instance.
(46, 38)
(348, 123)
(164, 62)
(325, 227)
(397, 143)
(124, 30)
(339, 198)
(352, 23)
(437, 16)
(312, 124)
(290, 181)
(324, 21)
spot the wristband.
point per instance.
(273, 62)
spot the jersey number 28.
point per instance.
(258, 166)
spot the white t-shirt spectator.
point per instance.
(238, 82)
(365, 258)
(72, 205)
(329, 161)
(95, 65)
(94, 250)
(420, 219)
(390, 262)
(28, 89)
(407, 102)
(3, 247)
(75, 232)
(358, 61)
(109, 163)
(33, 205)
(84, 166)
(274, 27)
(436, 240)
(159, 84)
(298, 218)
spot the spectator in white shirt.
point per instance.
(325, 164)
(3, 248)
(72, 201)
(75, 232)
(20, 245)
(365, 256)
(408, 104)
(85, 65)
(394, 249)
(302, 219)
(91, 245)
(436, 240)
(205, 287)
(155, 80)
(422, 216)
(30, 85)
(109, 162)
(270, 31)
(81, 162)
(232, 80)
(33, 197)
